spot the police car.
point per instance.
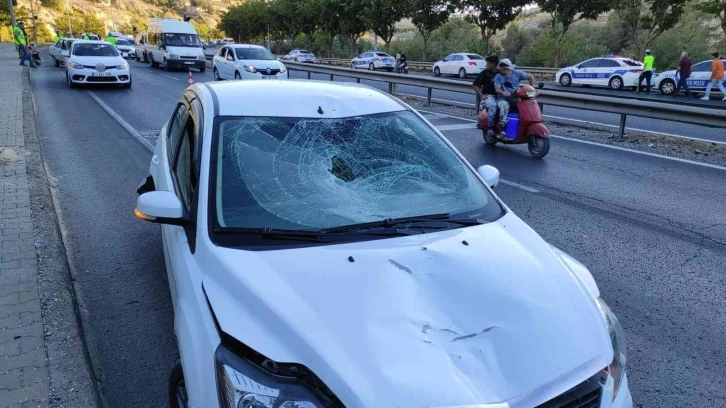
(612, 72)
(374, 60)
(700, 74)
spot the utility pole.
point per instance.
(12, 15)
(68, 11)
(35, 22)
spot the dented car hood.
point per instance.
(480, 316)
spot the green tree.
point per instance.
(646, 20)
(308, 18)
(427, 16)
(564, 13)
(247, 21)
(716, 8)
(490, 16)
(329, 24)
(352, 21)
(514, 41)
(382, 16)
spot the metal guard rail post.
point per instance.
(704, 116)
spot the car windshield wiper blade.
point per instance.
(271, 233)
(407, 221)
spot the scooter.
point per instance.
(524, 125)
(402, 68)
(34, 54)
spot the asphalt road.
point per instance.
(652, 231)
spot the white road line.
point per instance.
(520, 186)
(122, 122)
(443, 128)
(170, 77)
(607, 146)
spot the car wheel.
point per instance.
(128, 86)
(56, 63)
(437, 71)
(146, 57)
(462, 73)
(667, 87)
(371, 67)
(71, 84)
(178, 397)
(237, 75)
(215, 74)
(538, 146)
(203, 69)
(616, 83)
(154, 64)
(166, 65)
(565, 80)
(352, 65)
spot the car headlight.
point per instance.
(283, 70)
(249, 69)
(173, 56)
(125, 65)
(242, 385)
(201, 57)
(617, 337)
(75, 65)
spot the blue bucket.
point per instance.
(512, 128)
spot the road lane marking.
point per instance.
(443, 128)
(520, 186)
(122, 122)
(625, 149)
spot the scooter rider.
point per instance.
(484, 87)
(402, 66)
(506, 84)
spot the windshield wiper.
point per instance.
(272, 233)
(407, 221)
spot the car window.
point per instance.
(474, 57)
(702, 67)
(449, 58)
(176, 126)
(223, 52)
(459, 58)
(183, 167)
(122, 42)
(382, 54)
(631, 63)
(591, 63)
(304, 52)
(181, 40)
(271, 171)
(254, 54)
(95, 50)
(608, 63)
(367, 55)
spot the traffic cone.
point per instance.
(190, 82)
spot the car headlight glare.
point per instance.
(201, 57)
(243, 385)
(283, 70)
(250, 69)
(75, 65)
(125, 65)
(617, 338)
(173, 56)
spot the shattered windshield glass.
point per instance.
(310, 174)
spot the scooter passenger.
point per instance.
(484, 87)
(506, 84)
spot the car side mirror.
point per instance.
(161, 207)
(579, 66)
(490, 174)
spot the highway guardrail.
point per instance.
(697, 115)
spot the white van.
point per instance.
(174, 44)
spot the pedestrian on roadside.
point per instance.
(717, 77)
(111, 39)
(647, 73)
(57, 36)
(19, 34)
(683, 72)
(484, 87)
(17, 40)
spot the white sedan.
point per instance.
(126, 48)
(461, 65)
(700, 74)
(612, 72)
(374, 60)
(300, 56)
(96, 62)
(326, 246)
(242, 61)
(60, 51)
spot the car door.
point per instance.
(55, 50)
(222, 66)
(700, 74)
(605, 70)
(445, 66)
(586, 72)
(457, 64)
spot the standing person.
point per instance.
(21, 38)
(484, 87)
(716, 77)
(85, 36)
(57, 36)
(684, 72)
(647, 74)
(506, 84)
(111, 39)
(17, 40)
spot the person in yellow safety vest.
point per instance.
(57, 36)
(17, 41)
(20, 40)
(85, 37)
(111, 39)
(647, 73)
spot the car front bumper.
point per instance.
(262, 75)
(91, 76)
(126, 54)
(186, 63)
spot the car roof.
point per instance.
(244, 46)
(78, 41)
(300, 99)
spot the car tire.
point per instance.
(667, 87)
(203, 69)
(166, 66)
(462, 73)
(352, 65)
(178, 397)
(437, 71)
(56, 63)
(215, 74)
(538, 146)
(616, 83)
(237, 76)
(154, 64)
(371, 67)
(565, 80)
(146, 57)
(71, 84)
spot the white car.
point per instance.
(461, 65)
(243, 61)
(300, 56)
(96, 62)
(126, 48)
(374, 60)
(326, 246)
(60, 51)
(700, 74)
(612, 72)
